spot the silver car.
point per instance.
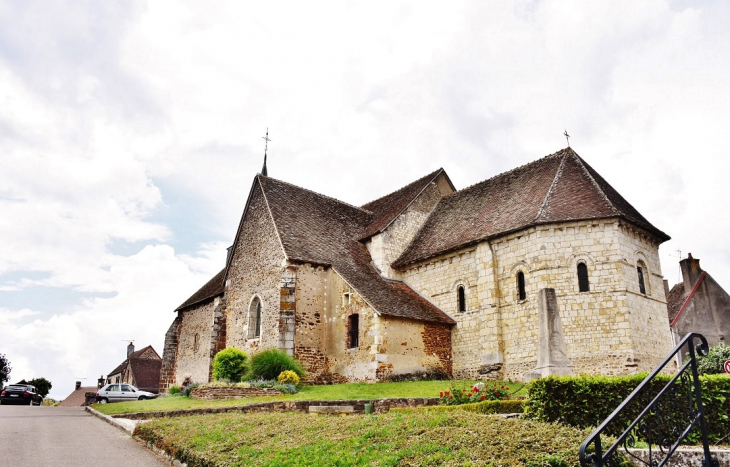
(120, 392)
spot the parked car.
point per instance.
(20, 394)
(119, 392)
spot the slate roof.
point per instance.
(78, 397)
(146, 372)
(675, 300)
(211, 289)
(384, 210)
(318, 229)
(557, 188)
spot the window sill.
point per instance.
(353, 349)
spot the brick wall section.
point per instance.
(380, 406)
(437, 341)
(256, 267)
(169, 355)
(210, 393)
(287, 309)
(217, 336)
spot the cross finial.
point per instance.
(567, 137)
(265, 172)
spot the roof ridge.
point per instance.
(558, 173)
(313, 192)
(433, 175)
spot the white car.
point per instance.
(120, 392)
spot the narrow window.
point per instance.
(521, 285)
(353, 331)
(254, 319)
(346, 298)
(461, 298)
(642, 287)
(196, 342)
(583, 278)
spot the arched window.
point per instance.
(196, 342)
(254, 319)
(461, 298)
(353, 331)
(640, 274)
(521, 286)
(583, 285)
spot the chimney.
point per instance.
(78, 385)
(100, 382)
(130, 349)
(666, 288)
(690, 272)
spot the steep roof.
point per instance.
(675, 300)
(322, 230)
(557, 188)
(78, 397)
(384, 210)
(211, 289)
(134, 356)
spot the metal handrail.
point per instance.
(686, 376)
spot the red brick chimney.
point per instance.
(78, 385)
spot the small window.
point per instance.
(521, 286)
(461, 298)
(353, 331)
(346, 298)
(640, 273)
(583, 285)
(254, 319)
(196, 342)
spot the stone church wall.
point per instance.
(169, 355)
(194, 361)
(611, 329)
(256, 270)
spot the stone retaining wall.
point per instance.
(210, 393)
(686, 457)
(380, 405)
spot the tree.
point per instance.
(42, 385)
(4, 369)
(713, 363)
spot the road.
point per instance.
(66, 436)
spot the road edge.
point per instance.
(111, 421)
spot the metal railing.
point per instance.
(662, 425)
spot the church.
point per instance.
(433, 281)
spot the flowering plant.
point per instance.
(477, 393)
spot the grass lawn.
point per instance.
(328, 392)
(402, 438)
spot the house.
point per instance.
(432, 280)
(140, 369)
(82, 395)
(698, 304)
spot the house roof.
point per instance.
(78, 397)
(135, 356)
(675, 300)
(318, 229)
(211, 289)
(557, 188)
(384, 210)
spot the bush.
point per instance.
(230, 364)
(713, 363)
(174, 390)
(288, 376)
(586, 401)
(190, 387)
(268, 364)
(478, 393)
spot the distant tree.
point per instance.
(714, 362)
(4, 370)
(42, 385)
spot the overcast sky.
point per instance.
(130, 133)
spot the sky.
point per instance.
(131, 131)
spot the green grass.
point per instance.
(402, 438)
(328, 392)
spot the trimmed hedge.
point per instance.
(586, 401)
(485, 407)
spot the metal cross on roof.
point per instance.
(265, 172)
(567, 137)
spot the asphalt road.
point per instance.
(66, 436)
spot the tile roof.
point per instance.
(557, 188)
(78, 397)
(384, 210)
(211, 289)
(318, 229)
(675, 300)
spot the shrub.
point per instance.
(268, 364)
(288, 376)
(478, 393)
(586, 401)
(189, 388)
(174, 390)
(230, 364)
(713, 363)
